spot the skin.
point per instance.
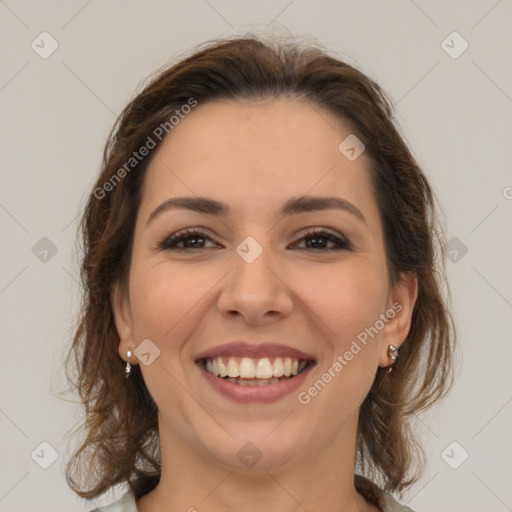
(254, 156)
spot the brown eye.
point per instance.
(317, 241)
(191, 238)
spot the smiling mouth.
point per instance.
(248, 371)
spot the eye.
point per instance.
(191, 238)
(318, 241)
(319, 238)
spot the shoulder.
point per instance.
(376, 496)
(125, 504)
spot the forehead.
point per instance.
(256, 153)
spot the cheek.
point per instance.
(349, 302)
(163, 301)
(348, 298)
(162, 298)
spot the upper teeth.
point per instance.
(249, 368)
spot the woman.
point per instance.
(262, 310)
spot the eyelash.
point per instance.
(170, 243)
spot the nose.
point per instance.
(256, 290)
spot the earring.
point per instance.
(393, 355)
(128, 367)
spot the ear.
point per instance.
(120, 302)
(400, 308)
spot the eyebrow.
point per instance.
(293, 206)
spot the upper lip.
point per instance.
(245, 349)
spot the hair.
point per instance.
(121, 443)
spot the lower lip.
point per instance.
(250, 394)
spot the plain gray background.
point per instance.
(56, 112)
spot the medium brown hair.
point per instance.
(121, 428)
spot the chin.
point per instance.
(258, 447)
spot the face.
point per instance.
(309, 283)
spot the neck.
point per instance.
(317, 480)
